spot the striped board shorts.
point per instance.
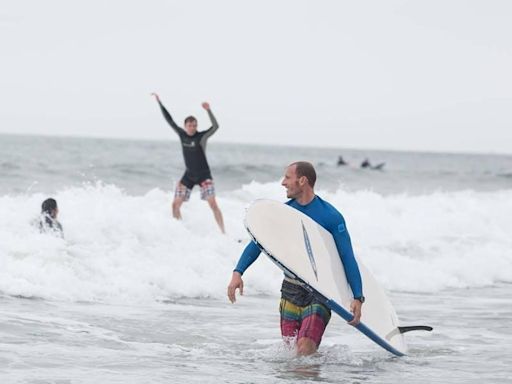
(309, 321)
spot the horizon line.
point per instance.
(262, 144)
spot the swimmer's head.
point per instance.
(49, 207)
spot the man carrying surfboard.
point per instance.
(193, 145)
(303, 317)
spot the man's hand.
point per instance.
(206, 106)
(236, 282)
(156, 96)
(355, 308)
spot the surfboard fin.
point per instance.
(415, 328)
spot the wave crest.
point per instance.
(125, 248)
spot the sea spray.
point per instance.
(127, 248)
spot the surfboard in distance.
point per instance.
(305, 250)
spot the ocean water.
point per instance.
(132, 296)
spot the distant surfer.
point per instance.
(48, 222)
(303, 317)
(366, 164)
(197, 170)
(341, 161)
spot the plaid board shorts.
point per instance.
(309, 321)
(207, 189)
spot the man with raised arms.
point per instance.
(197, 170)
(303, 317)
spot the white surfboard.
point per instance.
(304, 249)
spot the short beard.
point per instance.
(291, 195)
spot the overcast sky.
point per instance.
(407, 75)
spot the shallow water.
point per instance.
(213, 341)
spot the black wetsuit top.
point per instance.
(366, 164)
(48, 224)
(194, 150)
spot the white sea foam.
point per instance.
(124, 248)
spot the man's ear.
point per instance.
(303, 180)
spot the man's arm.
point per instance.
(214, 126)
(167, 115)
(249, 256)
(344, 246)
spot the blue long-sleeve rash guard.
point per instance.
(329, 218)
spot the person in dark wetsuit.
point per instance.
(341, 161)
(48, 222)
(303, 317)
(366, 164)
(197, 170)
